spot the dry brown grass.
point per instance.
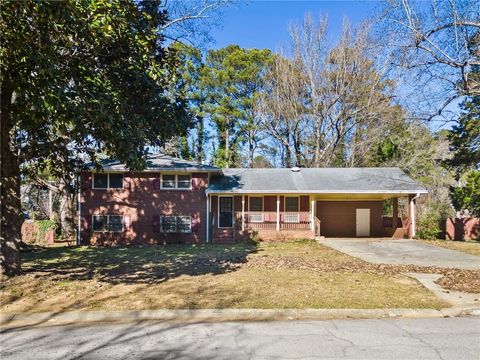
(268, 275)
(469, 247)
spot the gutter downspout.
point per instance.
(79, 211)
(412, 213)
(207, 235)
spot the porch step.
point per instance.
(223, 236)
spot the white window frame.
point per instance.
(250, 217)
(291, 217)
(108, 223)
(218, 211)
(176, 217)
(108, 181)
(176, 181)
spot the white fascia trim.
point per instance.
(189, 170)
(318, 192)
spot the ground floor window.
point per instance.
(176, 224)
(292, 207)
(113, 223)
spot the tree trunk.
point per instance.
(227, 147)
(66, 208)
(200, 129)
(287, 153)
(11, 216)
(318, 135)
(251, 147)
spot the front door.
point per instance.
(363, 222)
(225, 212)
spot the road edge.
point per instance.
(9, 321)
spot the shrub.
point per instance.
(43, 227)
(429, 226)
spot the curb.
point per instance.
(222, 315)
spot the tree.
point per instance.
(326, 102)
(192, 70)
(281, 108)
(232, 78)
(467, 196)
(78, 78)
(191, 21)
(465, 138)
(437, 42)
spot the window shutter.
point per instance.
(86, 182)
(156, 223)
(156, 184)
(195, 224)
(196, 183)
(126, 223)
(127, 182)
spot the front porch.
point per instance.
(283, 216)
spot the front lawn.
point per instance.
(300, 274)
(469, 247)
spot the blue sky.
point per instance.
(264, 24)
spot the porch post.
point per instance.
(312, 216)
(207, 222)
(411, 200)
(394, 214)
(243, 212)
(278, 212)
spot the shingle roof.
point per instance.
(160, 162)
(315, 180)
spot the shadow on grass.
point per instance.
(135, 264)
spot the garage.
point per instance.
(350, 218)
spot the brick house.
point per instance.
(177, 201)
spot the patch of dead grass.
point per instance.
(469, 247)
(300, 274)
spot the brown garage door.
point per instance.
(338, 218)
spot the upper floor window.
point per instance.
(103, 223)
(175, 181)
(107, 181)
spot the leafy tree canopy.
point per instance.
(465, 137)
(80, 78)
(467, 196)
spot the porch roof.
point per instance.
(315, 180)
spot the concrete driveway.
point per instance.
(403, 252)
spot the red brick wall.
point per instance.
(141, 202)
(282, 235)
(462, 229)
(30, 234)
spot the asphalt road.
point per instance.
(448, 338)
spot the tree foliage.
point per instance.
(232, 78)
(79, 79)
(467, 196)
(435, 45)
(465, 137)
